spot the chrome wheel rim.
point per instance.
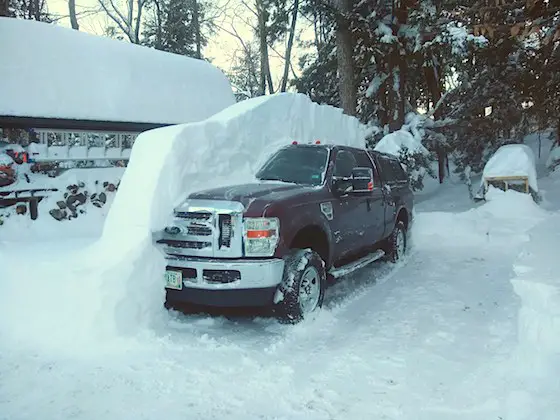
(400, 243)
(309, 290)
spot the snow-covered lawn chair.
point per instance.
(512, 167)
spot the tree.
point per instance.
(174, 26)
(345, 59)
(73, 16)
(245, 73)
(127, 21)
(4, 8)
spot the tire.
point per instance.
(397, 243)
(303, 268)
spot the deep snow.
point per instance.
(433, 338)
(513, 160)
(123, 82)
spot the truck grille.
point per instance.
(199, 230)
(194, 216)
(214, 229)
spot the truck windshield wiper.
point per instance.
(276, 179)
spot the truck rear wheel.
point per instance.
(303, 286)
(397, 243)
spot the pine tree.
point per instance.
(174, 26)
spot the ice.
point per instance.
(513, 160)
(82, 76)
(396, 141)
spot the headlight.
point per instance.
(261, 236)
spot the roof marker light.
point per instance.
(317, 141)
(294, 142)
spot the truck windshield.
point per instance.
(298, 164)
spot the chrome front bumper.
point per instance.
(249, 274)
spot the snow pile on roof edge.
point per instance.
(56, 72)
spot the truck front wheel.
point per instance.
(303, 286)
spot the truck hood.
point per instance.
(256, 196)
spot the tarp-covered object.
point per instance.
(512, 160)
(48, 71)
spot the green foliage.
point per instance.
(171, 26)
(417, 166)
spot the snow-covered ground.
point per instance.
(465, 328)
(434, 338)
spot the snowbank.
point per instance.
(396, 141)
(505, 216)
(90, 215)
(512, 160)
(169, 163)
(55, 72)
(537, 360)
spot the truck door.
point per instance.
(348, 212)
(393, 183)
(372, 203)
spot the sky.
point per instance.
(221, 48)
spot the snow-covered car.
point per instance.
(512, 167)
(317, 212)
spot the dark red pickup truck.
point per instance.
(313, 214)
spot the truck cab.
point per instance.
(313, 214)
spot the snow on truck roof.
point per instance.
(53, 72)
(512, 160)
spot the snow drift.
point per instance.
(513, 160)
(120, 289)
(55, 72)
(505, 216)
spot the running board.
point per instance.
(356, 265)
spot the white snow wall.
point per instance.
(55, 72)
(169, 163)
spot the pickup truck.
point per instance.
(314, 214)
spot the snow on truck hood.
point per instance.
(125, 82)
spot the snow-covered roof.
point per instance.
(47, 71)
(394, 142)
(513, 160)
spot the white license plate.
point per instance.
(174, 280)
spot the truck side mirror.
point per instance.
(362, 180)
(342, 186)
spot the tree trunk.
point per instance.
(289, 46)
(196, 25)
(4, 7)
(72, 13)
(432, 75)
(344, 53)
(558, 132)
(262, 47)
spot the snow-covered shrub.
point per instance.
(417, 166)
(553, 161)
(408, 148)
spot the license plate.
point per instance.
(174, 280)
